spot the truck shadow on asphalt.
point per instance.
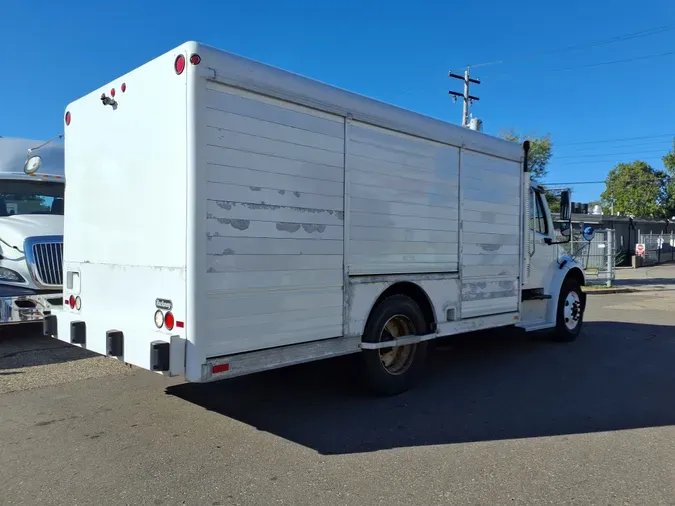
(23, 346)
(484, 387)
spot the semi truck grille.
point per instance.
(49, 262)
(45, 258)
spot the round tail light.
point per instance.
(169, 320)
(179, 64)
(71, 302)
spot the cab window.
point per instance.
(538, 221)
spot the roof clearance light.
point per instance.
(112, 93)
(195, 59)
(159, 319)
(123, 87)
(179, 64)
(169, 320)
(67, 118)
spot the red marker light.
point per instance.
(220, 368)
(179, 64)
(180, 325)
(67, 118)
(195, 59)
(112, 93)
(123, 87)
(71, 302)
(169, 320)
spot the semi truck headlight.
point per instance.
(10, 275)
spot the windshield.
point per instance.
(30, 197)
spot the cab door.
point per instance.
(542, 254)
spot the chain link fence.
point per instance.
(659, 248)
(598, 257)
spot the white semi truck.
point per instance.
(31, 229)
(226, 217)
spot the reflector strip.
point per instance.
(220, 368)
(180, 325)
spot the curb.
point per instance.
(607, 291)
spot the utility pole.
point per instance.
(467, 98)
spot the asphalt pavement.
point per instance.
(501, 419)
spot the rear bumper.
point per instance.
(165, 354)
(28, 307)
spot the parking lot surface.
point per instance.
(500, 419)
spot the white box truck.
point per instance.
(225, 217)
(31, 229)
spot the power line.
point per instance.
(615, 139)
(609, 160)
(619, 38)
(613, 62)
(629, 153)
(590, 148)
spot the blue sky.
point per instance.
(396, 51)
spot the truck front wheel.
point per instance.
(390, 371)
(570, 313)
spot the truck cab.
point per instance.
(32, 184)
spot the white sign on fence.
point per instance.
(640, 250)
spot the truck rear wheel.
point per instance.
(390, 371)
(570, 313)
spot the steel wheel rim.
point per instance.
(398, 359)
(572, 310)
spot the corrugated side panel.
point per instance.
(275, 187)
(403, 203)
(491, 194)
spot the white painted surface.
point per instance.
(274, 212)
(491, 226)
(403, 196)
(125, 208)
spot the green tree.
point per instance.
(540, 152)
(637, 188)
(669, 164)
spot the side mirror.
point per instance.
(565, 206)
(33, 164)
(565, 229)
(588, 233)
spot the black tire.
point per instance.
(571, 308)
(397, 311)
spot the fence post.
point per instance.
(608, 281)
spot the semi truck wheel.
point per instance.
(390, 371)
(570, 314)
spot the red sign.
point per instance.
(640, 250)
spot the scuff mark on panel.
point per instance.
(340, 215)
(288, 227)
(228, 205)
(297, 194)
(226, 251)
(507, 285)
(501, 294)
(313, 227)
(282, 192)
(255, 188)
(490, 247)
(238, 224)
(211, 269)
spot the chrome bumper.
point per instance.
(28, 307)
